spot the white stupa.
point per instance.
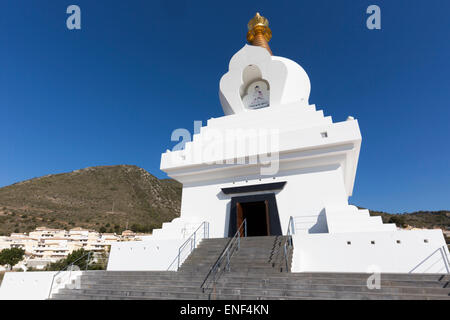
(278, 162)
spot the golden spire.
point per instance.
(259, 33)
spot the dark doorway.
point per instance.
(261, 213)
(257, 216)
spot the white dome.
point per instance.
(287, 80)
(297, 86)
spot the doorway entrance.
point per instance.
(261, 213)
(257, 216)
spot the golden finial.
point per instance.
(259, 33)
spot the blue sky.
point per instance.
(113, 92)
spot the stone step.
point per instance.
(237, 263)
(247, 244)
(173, 287)
(252, 287)
(262, 293)
(246, 250)
(109, 297)
(394, 276)
(257, 272)
(337, 288)
(134, 293)
(237, 255)
(178, 277)
(256, 238)
(205, 297)
(134, 273)
(285, 278)
(326, 275)
(291, 276)
(318, 290)
(184, 282)
(266, 270)
(235, 297)
(235, 259)
(274, 280)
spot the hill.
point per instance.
(419, 219)
(106, 199)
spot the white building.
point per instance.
(277, 161)
(46, 245)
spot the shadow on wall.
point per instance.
(321, 225)
(311, 223)
(227, 218)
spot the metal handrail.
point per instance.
(445, 258)
(441, 250)
(213, 274)
(192, 240)
(445, 249)
(289, 243)
(291, 226)
(71, 267)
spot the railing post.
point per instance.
(195, 236)
(51, 286)
(444, 258)
(89, 258)
(245, 228)
(286, 257)
(444, 249)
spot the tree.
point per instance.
(11, 256)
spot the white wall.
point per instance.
(34, 285)
(155, 254)
(348, 219)
(331, 253)
(311, 189)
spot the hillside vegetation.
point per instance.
(106, 199)
(419, 219)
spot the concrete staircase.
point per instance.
(257, 272)
(256, 254)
